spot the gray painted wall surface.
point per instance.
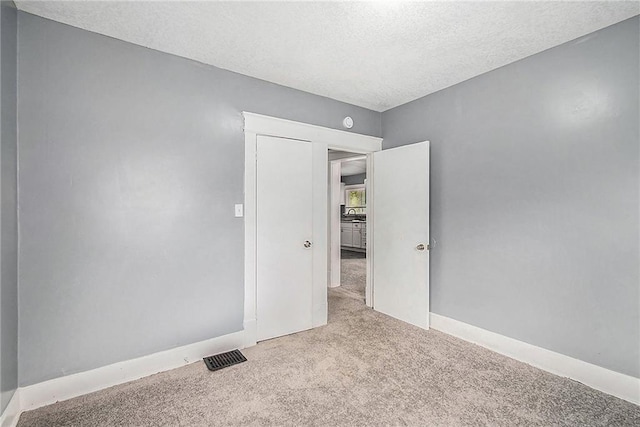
(354, 179)
(534, 197)
(8, 205)
(130, 163)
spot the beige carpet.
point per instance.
(362, 369)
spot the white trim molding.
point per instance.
(334, 222)
(322, 140)
(11, 414)
(614, 383)
(334, 138)
(70, 386)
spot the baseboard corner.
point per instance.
(250, 333)
(11, 413)
(607, 381)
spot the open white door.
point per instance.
(284, 260)
(401, 239)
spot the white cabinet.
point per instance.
(357, 234)
(346, 235)
(353, 234)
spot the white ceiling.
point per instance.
(350, 164)
(353, 167)
(376, 55)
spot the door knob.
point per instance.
(421, 247)
(307, 244)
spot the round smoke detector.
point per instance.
(347, 122)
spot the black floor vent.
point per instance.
(223, 360)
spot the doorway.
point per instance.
(349, 265)
(320, 140)
(397, 208)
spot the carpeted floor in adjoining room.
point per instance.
(353, 271)
(362, 369)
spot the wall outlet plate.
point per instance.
(239, 210)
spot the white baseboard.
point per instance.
(11, 414)
(67, 387)
(620, 385)
(34, 396)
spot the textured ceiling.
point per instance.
(376, 55)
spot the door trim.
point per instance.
(335, 167)
(322, 139)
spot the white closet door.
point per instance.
(401, 239)
(284, 236)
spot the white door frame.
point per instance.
(322, 139)
(335, 167)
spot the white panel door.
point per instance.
(284, 237)
(401, 226)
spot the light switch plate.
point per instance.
(239, 210)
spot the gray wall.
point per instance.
(130, 163)
(534, 197)
(8, 205)
(354, 179)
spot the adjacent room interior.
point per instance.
(319, 213)
(351, 206)
(353, 230)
